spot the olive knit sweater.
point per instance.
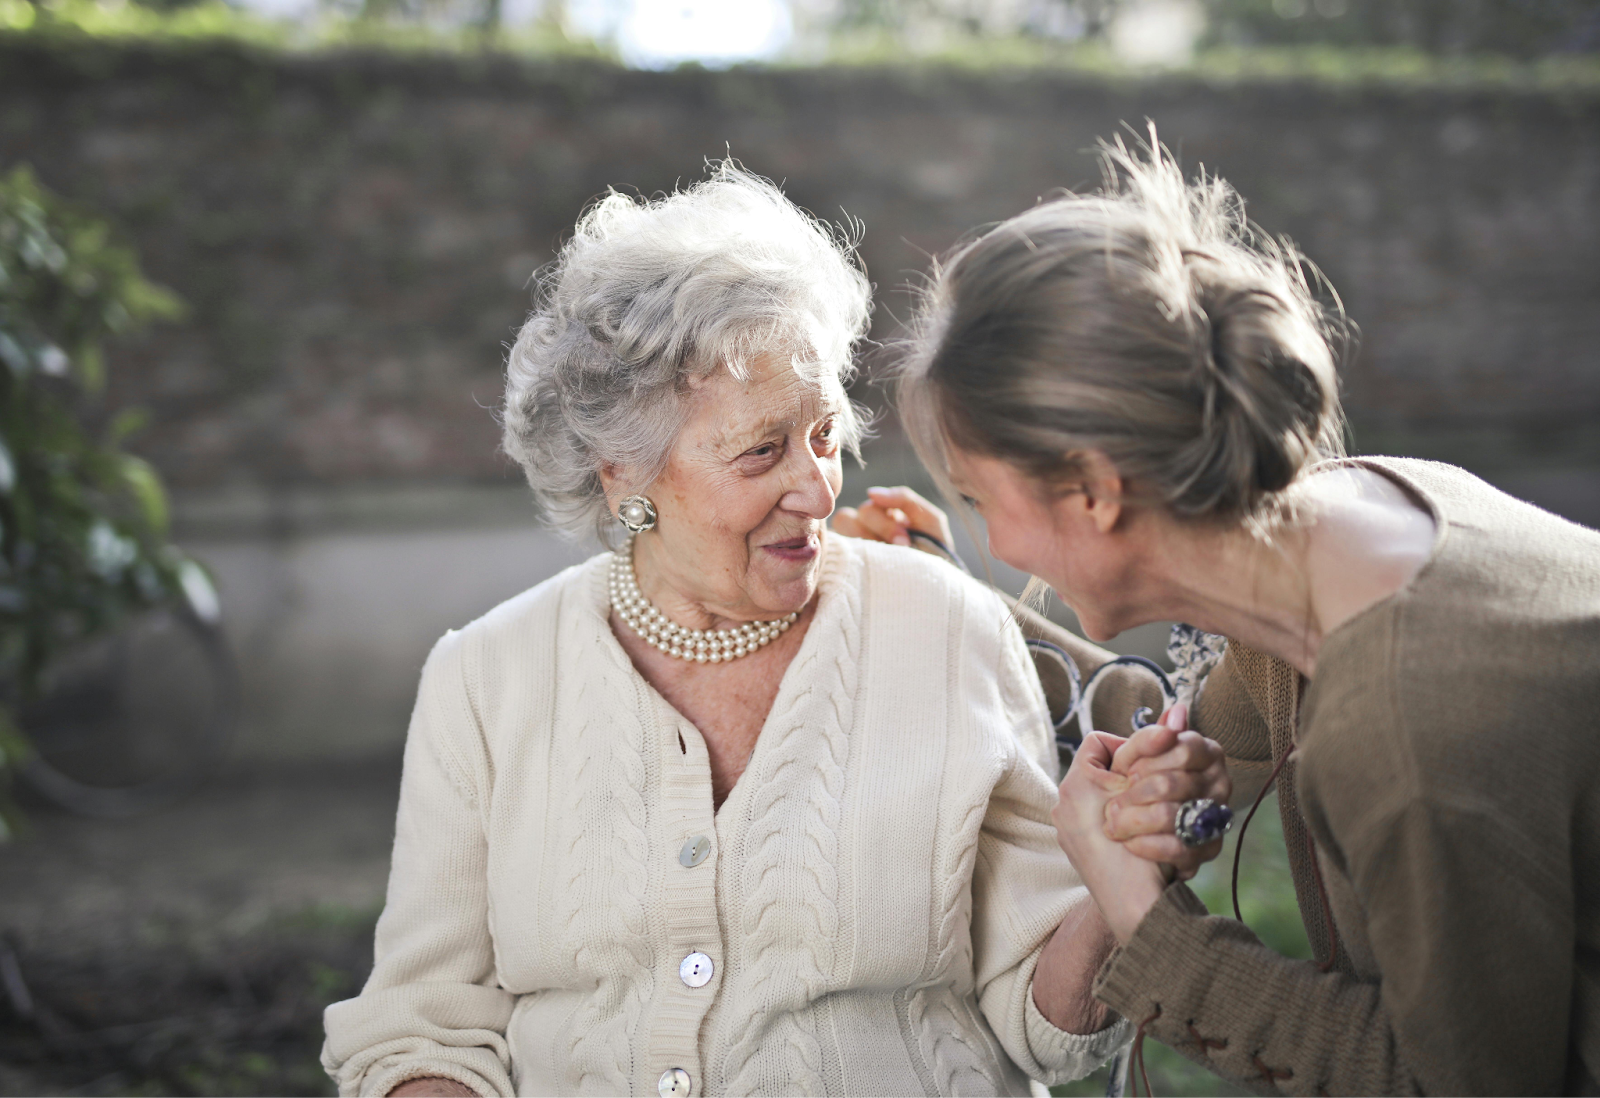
(1441, 804)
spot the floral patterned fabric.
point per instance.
(1193, 655)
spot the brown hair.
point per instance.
(1150, 321)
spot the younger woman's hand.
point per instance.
(890, 514)
(1123, 885)
(1165, 764)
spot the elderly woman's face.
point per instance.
(747, 491)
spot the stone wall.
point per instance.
(355, 232)
(354, 235)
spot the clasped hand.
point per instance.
(1118, 806)
(1120, 799)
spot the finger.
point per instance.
(1124, 822)
(1171, 851)
(878, 522)
(898, 517)
(1220, 785)
(1174, 786)
(846, 523)
(1098, 749)
(1189, 753)
(922, 514)
(1184, 751)
(1153, 740)
(1176, 717)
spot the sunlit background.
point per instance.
(349, 197)
(654, 34)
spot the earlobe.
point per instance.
(1102, 491)
(1104, 512)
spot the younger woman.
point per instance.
(1138, 395)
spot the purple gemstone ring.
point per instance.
(1202, 821)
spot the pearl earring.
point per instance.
(637, 513)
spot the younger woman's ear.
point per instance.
(1102, 490)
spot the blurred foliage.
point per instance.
(181, 1014)
(1518, 28)
(73, 21)
(83, 523)
(1267, 902)
(1535, 44)
(402, 25)
(1329, 66)
(1057, 19)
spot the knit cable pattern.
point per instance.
(801, 788)
(938, 1018)
(937, 1015)
(607, 847)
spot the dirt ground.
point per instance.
(192, 951)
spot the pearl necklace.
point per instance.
(699, 645)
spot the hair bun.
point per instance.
(1266, 381)
(1149, 322)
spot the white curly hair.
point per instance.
(650, 294)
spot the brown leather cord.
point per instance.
(1316, 868)
(1272, 1075)
(1238, 846)
(1207, 1044)
(1136, 1059)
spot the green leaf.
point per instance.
(109, 553)
(125, 424)
(144, 485)
(200, 592)
(53, 361)
(15, 751)
(91, 368)
(14, 356)
(148, 301)
(14, 746)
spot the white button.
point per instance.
(694, 851)
(695, 970)
(675, 1083)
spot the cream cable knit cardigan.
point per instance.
(879, 885)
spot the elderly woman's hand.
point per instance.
(1165, 764)
(890, 514)
(1124, 885)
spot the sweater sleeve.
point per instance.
(1022, 887)
(1225, 711)
(1207, 987)
(432, 1005)
(1474, 998)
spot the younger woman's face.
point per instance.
(1066, 536)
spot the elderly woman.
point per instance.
(739, 807)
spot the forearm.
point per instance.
(1063, 982)
(1207, 987)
